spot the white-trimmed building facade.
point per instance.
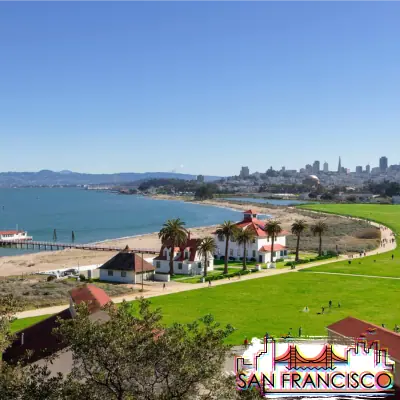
(187, 260)
(259, 249)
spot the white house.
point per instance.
(126, 267)
(260, 248)
(187, 260)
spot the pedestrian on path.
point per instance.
(209, 283)
(323, 310)
(300, 331)
(246, 343)
(163, 286)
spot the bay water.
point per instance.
(95, 215)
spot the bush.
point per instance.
(82, 277)
(308, 260)
(253, 259)
(51, 278)
(230, 275)
(279, 260)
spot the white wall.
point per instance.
(237, 251)
(188, 268)
(161, 277)
(116, 277)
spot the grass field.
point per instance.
(383, 265)
(23, 323)
(274, 304)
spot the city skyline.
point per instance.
(82, 90)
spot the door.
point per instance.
(260, 258)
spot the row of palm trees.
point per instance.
(175, 234)
(299, 226)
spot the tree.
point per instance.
(298, 227)
(319, 229)
(243, 237)
(205, 191)
(226, 231)
(206, 247)
(273, 229)
(174, 234)
(134, 356)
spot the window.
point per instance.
(158, 264)
(231, 252)
(254, 240)
(186, 255)
(238, 252)
(221, 238)
(208, 263)
(254, 253)
(199, 265)
(179, 265)
(123, 274)
(110, 273)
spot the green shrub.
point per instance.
(51, 278)
(82, 277)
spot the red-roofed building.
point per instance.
(92, 295)
(187, 259)
(260, 249)
(347, 330)
(7, 236)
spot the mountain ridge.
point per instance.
(66, 177)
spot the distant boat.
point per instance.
(10, 236)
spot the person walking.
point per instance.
(300, 331)
(323, 310)
(163, 286)
(338, 304)
(392, 256)
(209, 283)
(246, 343)
(330, 303)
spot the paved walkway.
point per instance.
(153, 289)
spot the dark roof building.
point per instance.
(39, 340)
(126, 261)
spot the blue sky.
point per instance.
(198, 87)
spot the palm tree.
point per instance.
(206, 247)
(226, 231)
(174, 234)
(319, 229)
(273, 229)
(298, 227)
(243, 237)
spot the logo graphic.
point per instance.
(281, 367)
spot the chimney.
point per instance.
(22, 338)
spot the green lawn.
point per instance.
(379, 264)
(23, 323)
(274, 304)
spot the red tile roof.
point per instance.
(10, 232)
(249, 212)
(91, 294)
(267, 249)
(258, 226)
(191, 244)
(356, 328)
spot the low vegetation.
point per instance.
(34, 291)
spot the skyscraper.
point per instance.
(326, 167)
(309, 169)
(316, 167)
(359, 169)
(368, 169)
(244, 173)
(383, 164)
(339, 168)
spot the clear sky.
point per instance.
(198, 87)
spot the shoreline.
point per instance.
(30, 263)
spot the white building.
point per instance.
(260, 248)
(187, 260)
(126, 267)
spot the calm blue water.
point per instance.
(95, 216)
(268, 201)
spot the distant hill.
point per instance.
(51, 178)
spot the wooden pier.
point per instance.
(31, 244)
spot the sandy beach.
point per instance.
(50, 260)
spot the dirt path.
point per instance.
(153, 289)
